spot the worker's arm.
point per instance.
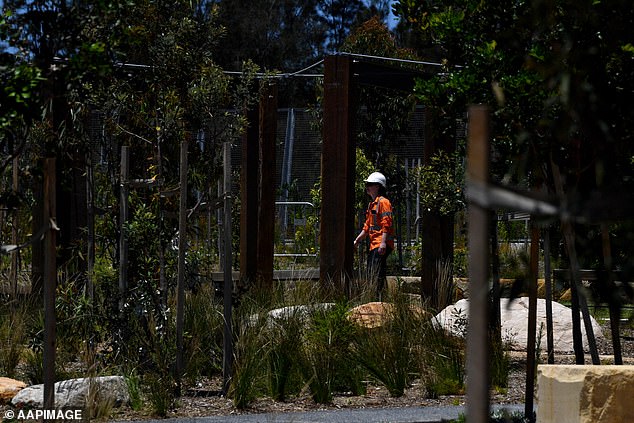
(360, 237)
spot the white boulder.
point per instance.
(77, 393)
(514, 316)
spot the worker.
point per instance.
(378, 227)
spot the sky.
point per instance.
(391, 20)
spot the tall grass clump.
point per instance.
(203, 329)
(247, 382)
(442, 361)
(157, 355)
(14, 320)
(79, 328)
(133, 383)
(285, 336)
(328, 363)
(444, 284)
(387, 352)
(500, 363)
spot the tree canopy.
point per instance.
(558, 78)
(557, 75)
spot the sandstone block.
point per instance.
(9, 388)
(376, 314)
(585, 394)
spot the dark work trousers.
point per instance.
(377, 269)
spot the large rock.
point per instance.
(585, 394)
(9, 388)
(302, 311)
(77, 393)
(514, 317)
(376, 314)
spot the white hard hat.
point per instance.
(377, 178)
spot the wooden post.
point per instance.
(613, 303)
(532, 322)
(50, 282)
(337, 175)
(495, 325)
(266, 214)
(477, 347)
(227, 357)
(90, 233)
(13, 272)
(123, 220)
(550, 344)
(182, 251)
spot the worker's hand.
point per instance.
(382, 248)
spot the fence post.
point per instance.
(123, 220)
(13, 272)
(90, 235)
(182, 250)
(227, 345)
(477, 347)
(50, 283)
(532, 321)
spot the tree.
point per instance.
(289, 35)
(558, 79)
(51, 37)
(383, 113)
(557, 76)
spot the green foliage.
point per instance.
(363, 168)
(286, 339)
(441, 184)
(383, 114)
(160, 392)
(326, 354)
(133, 383)
(158, 352)
(387, 352)
(442, 361)
(545, 101)
(77, 325)
(247, 382)
(20, 82)
(307, 235)
(499, 364)
(203, 328)
(14, 321)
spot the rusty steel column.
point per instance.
(478, 233)
(266, 216)
(337, 175)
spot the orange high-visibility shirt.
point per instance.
(378, 220)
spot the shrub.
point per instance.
(443, 362)
(285, 337)
(387, 352)
(328, 363)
